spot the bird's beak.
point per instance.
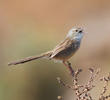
(80, 30)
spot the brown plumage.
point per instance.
(62, 51)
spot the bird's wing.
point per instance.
(62, 46)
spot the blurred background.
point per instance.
(30, 27)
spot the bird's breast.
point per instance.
(68, 52)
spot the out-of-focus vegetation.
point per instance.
(30, 27)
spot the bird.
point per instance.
(62, 52)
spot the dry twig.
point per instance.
(106, 81)
(83, 91)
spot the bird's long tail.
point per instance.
(45, 55)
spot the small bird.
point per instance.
(63, 51)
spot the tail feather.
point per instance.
(47, 55)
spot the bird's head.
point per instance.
(75, 33)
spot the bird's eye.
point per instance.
(76, 30)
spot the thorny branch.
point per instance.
(83, 91)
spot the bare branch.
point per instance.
(83, 91)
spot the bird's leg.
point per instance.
(68, 65)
